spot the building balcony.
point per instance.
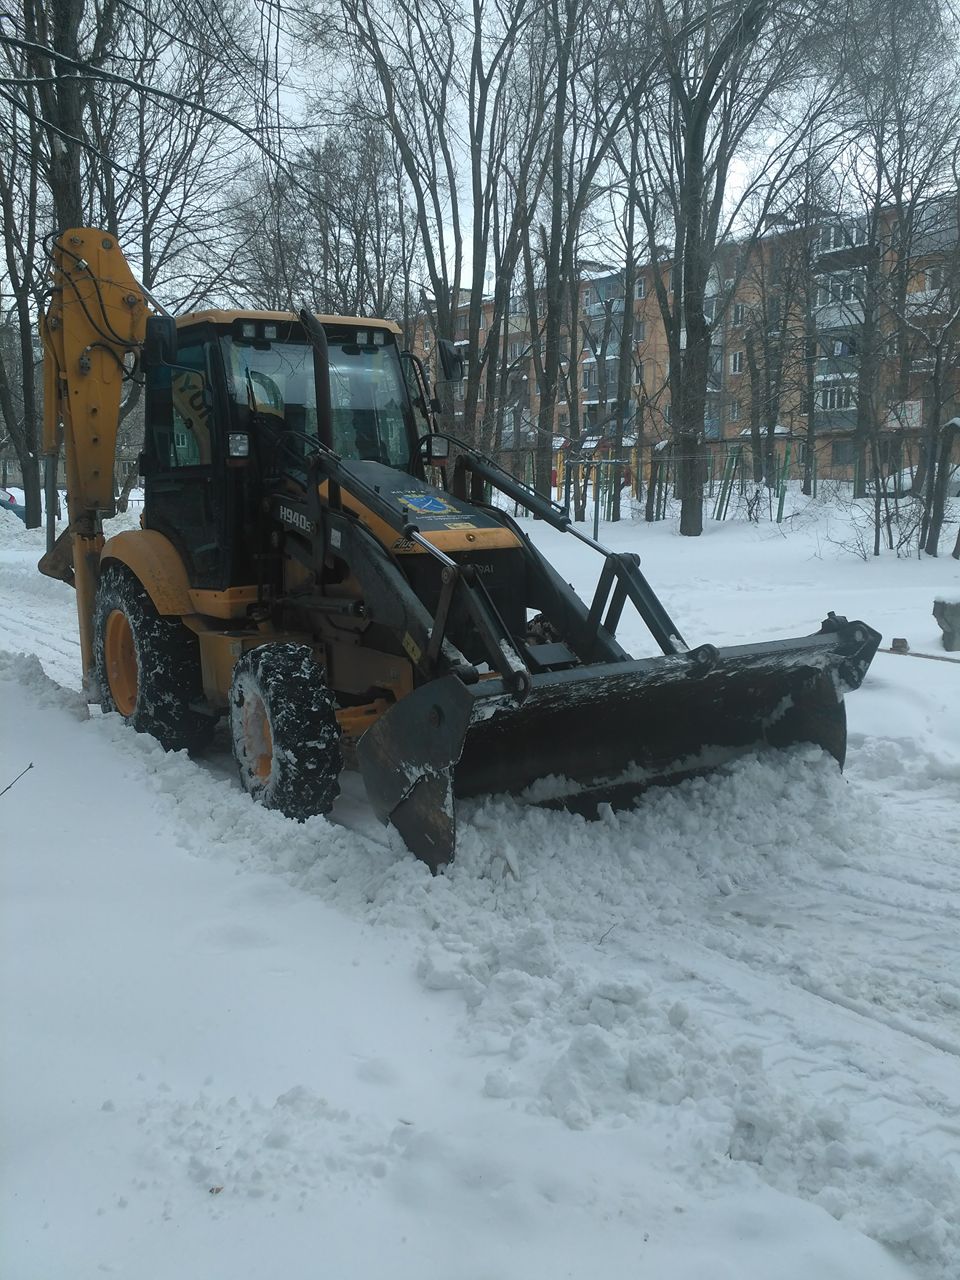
(613, 305)
(928, 302)
(835, 419)
(828, 367)
(840, 315)
(846, 257)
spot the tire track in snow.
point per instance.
(60, 656)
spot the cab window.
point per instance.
(369, 405)
(180, 411)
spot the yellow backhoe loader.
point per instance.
(298, 571)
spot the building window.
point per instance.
(843, 453)
(733, 411)
(589, 297)
(641, 286)
(933, 279)
(837, 349)
(483, 319)
(638, 373)
(516, 350)
(832, 289)
(736, 362)
(837, 237)
(674, 279)
(739, 310)
(589, 376)
(840, 397)
(640, 331)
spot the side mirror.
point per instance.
(435, 449)
(160, 341)
(451, 361)
(415, 377)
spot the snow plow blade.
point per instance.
(604, 733)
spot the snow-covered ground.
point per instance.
(714, 1039)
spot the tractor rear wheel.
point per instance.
(147, 666)
(286, 739)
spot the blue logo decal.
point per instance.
(427, 504)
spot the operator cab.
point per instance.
(239, 404)
(272, 384)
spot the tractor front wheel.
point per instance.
(286, 739)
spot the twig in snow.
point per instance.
(16, 779)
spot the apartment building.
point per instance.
(857, 323)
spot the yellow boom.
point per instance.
(95, 321)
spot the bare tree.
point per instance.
(462, 91)
(901, 109)
(106, 121)
(598, 86)
(737, 81)
(349, 253)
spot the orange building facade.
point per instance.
(834, 317)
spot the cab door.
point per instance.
(184, 495)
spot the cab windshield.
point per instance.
(368, 398)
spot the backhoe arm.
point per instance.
(95, 319)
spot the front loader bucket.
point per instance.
(603, 733)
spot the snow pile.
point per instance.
(588, 985)
(294, 1149)
(25, 670)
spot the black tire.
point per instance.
(163, 676)
(286, 740)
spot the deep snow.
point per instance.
(714, 1038)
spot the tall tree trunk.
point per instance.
(554, 258)
(60, 21)
(948, 435)
(809, 393)
(624, 406)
